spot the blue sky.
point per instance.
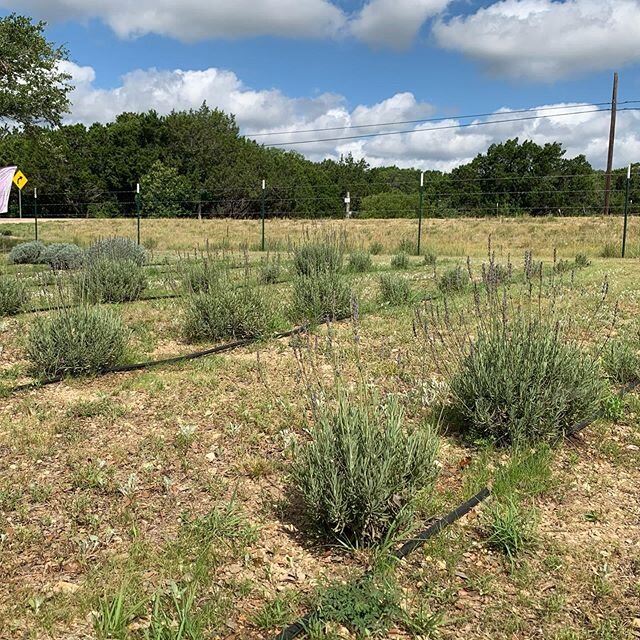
(287, 65)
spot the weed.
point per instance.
(612, 407)
(430, 258)
(375, 248)
(582, 261)
(454, 280)
(270, 270)
(510, 529)
(563, 266)
(276, 613)
(103, 406)
(400, 260)
(95, 474)
(116, 613)
(610, 250)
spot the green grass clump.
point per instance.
(320, 297)
(454, 280)
(610, 250)
(117, 248)
(62, 256)
(269, 270)
(400, 260)
(521, 381)
(621, 361)
(110, 280)
(228, 311)
(511, 529)
(375, 248)
(26, 253)
(562, 266)
(362, 467)
(76, 341)
(394, 290)
(582, 261)
(322, 255)
(201, 276)
(360, 262)
(13, 296)
(430, 258)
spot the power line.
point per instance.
(428, 129)
(257, 134)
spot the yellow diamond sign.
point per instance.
(20, 180)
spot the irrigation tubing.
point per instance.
(170, 296)
(295, 629)
(229, 346)
(299, 627)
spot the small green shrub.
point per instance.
(110, 280)
(582, 261)
(454, 280)
(376, 248)
(62, 257)
(316, 298)
(511, 529)
(201, 276)
(621, 362)
(430, 258)
(228, 312)
(612, 407)
(13, 296)
(522, 382)
(610, 250)
(270, 270)
(406, 246)
(76, 341)
(562, 266)
(26, 253)
(400, 260)
(117, 249)
(394, 290)
(324, 254)
(362, 467)
(360, 262)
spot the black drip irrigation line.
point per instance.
(582, 425)
(295, 629)
(170, 296)
(229, 346)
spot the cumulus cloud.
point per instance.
(431, 145)
(546, 39)
(191, 20)
(394, 23)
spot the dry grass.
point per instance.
(450, 237)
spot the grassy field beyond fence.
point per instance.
(453, 237)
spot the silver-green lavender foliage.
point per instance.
(325, 295)
(621, 361)
(229, 311)
(62, 256)
(76, 341)
(117, 248)
(26, 253)
(394, 290)
(13, 295)
(362, 467)
(360, 262)
(105, 279)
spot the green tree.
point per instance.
(33, 89)
(164, 192)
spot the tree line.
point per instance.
(196, 163)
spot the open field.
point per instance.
(159, 503)
(450, 237)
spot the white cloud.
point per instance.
(394, 23)
(546, 39)
(433, 145)
(191, 20)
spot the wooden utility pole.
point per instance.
(612, 139)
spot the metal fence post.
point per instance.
(35, 210)
(626, 211)
(264, 186)
(420, 211)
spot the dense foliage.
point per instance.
(362, 467)
(197, 163)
